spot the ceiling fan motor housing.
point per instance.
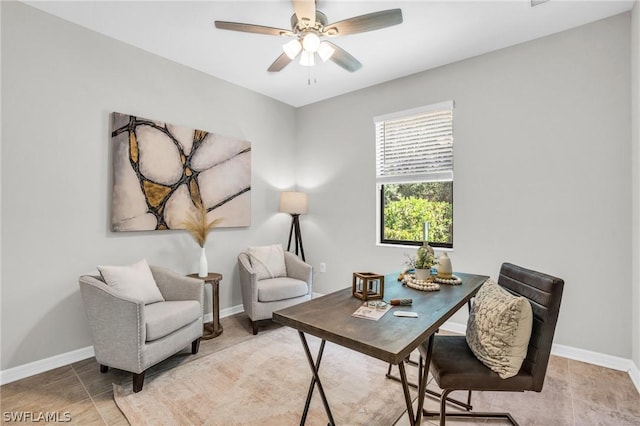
(297, 26)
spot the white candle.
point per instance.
(425, 232)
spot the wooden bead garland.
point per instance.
(410, 281)
(454, 280)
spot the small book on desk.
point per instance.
(370, 313)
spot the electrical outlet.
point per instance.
(323, 267)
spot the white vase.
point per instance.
(204, 268)
(444, 266)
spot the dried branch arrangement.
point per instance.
(198, 225)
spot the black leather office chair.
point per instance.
(455, 367)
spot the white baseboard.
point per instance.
(36, 367)
(595, 358)
(454, 327)
(635, 376)
(603, 360)
(227, 312)
(609, 361)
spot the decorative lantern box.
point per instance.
(368, 286)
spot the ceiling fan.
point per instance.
(308, 28)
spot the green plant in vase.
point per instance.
(425, 260)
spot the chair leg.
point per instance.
(195, 346)
(475, 415)
(443, 407)
(138, 382)
(429, 392)
(255, 325)
(103, 368)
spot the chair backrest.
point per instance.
(545, 293)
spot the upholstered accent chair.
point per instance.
(455, 367)
(262, 295)
(132, 336)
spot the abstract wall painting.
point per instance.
(162, 171)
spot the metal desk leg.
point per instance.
(312, 385)
(423, 373)
(407, 396)
(316, 380)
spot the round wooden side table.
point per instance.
(214, 328)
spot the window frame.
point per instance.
(382, 181)
(380, 234)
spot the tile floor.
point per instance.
(574, 393)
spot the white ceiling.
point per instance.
(433, 33)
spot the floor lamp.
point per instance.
(294, 203)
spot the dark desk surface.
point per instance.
(390, 339)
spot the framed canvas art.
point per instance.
(161, 172)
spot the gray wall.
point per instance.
(542, 173)
(60, 83)
(635, 161)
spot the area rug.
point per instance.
(264, 381)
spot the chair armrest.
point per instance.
(116, 323)
(299, 269)
(248, 283)
(174, 286)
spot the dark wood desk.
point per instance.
(390, 339)
(214, 328)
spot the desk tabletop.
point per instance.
(390, 339)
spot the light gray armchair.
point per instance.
(261, 297)
(132, 336)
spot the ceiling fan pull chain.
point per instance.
(315, 78)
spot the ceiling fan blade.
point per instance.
(250, 28)
(305, 10)
(344, 58)
(282, 61)
(364, 23)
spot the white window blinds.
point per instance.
(415, 145)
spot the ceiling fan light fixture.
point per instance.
(307, 59)
(309, 27)
(292, 48)
(325, 50)
(311, 42)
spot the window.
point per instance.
(414, 175)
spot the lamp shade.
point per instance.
(325, 51)
(307, 59)
(293, 202)
(292, 48)
(311, 42)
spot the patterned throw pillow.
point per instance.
(268, 261)
(499, 328)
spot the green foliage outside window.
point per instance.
(408, 206)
